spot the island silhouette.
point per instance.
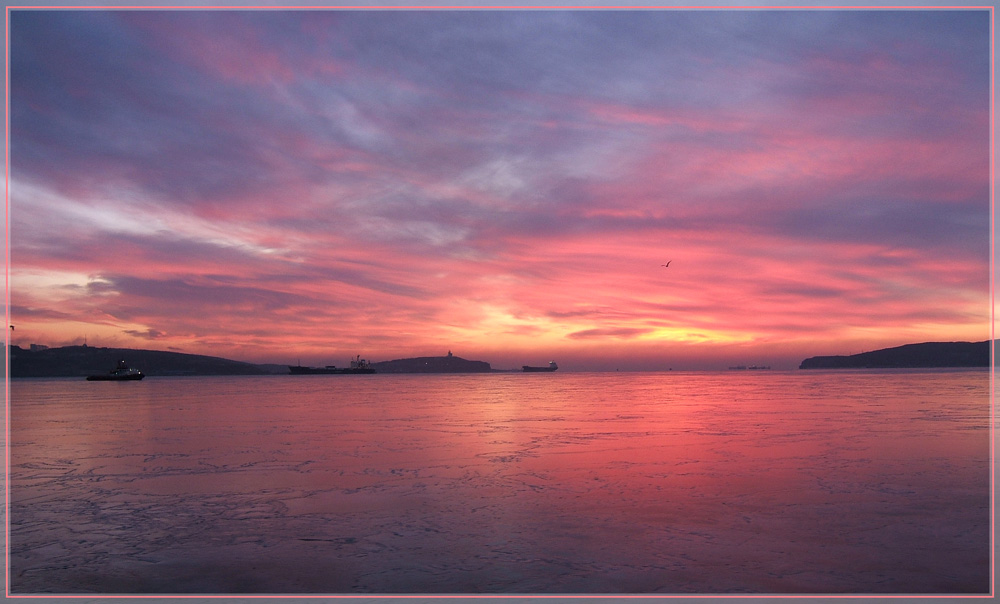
(446, 364)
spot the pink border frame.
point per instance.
(7, 591)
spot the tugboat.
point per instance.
(120, 373)
(552, 367)
(358, 365)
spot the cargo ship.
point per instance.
(358, 365)
(552, 367)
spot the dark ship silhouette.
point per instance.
(120, 373)
(552, 367)
(358, 365)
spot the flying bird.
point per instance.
(667, 264)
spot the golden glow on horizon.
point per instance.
(686, 335)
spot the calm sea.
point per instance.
(589, 483)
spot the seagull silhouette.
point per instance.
(667, 264)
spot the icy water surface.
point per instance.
(738, 482)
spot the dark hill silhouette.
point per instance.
(909, 356)
(447, 364)
(80, 361)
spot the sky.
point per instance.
(291, 186)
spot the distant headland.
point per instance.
(79, 361)
(909, 356)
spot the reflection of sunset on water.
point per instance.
(672, 482)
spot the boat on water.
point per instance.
(121, 373)
(551, 367)
(358, 365)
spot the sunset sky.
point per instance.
(276, 186)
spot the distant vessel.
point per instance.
(552, 367)
(120, 373)
(750, 368)
(358, 365)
